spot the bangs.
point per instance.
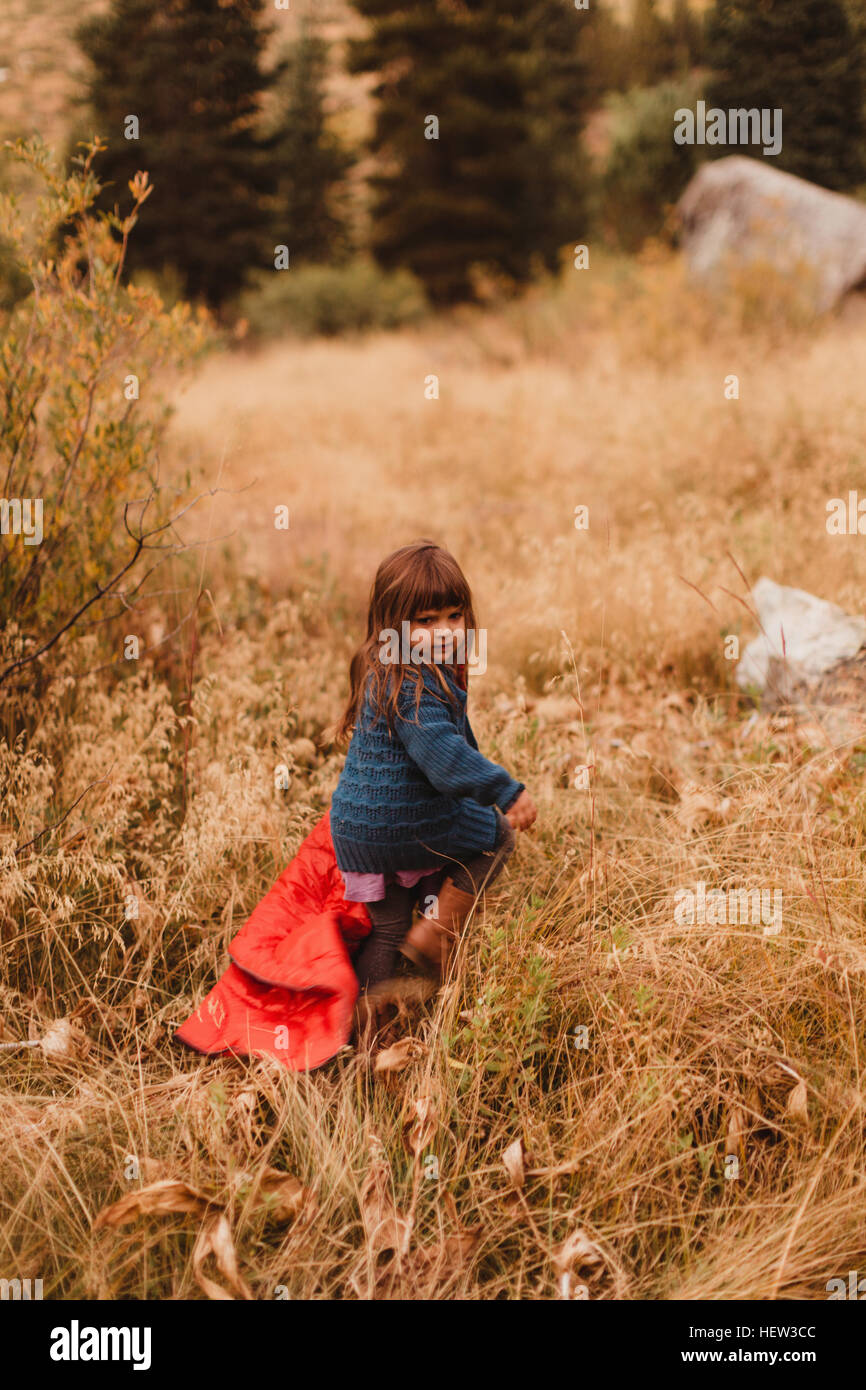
(435, 584)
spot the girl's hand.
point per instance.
(522, 813)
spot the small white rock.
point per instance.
(803, 636)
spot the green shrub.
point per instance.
(332, 299)
(645, 171)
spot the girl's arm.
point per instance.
(447, 760)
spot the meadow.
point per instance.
(605, 1102)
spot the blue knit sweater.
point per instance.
(414, 793)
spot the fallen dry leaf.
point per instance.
(576, 1252)
(385, 1227)
(423, 1120)
(444, 1259)
(284, 1195)
(215, 1238)
(798, 1103)
(737, 1126)
(417, 1273)
(398, 1057)
(64, 1040)
(157, 1199)
(513, 1162)
(434, 1265)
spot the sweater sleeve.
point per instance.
(447, 759)
(504, 802)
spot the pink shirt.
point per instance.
(370, 888)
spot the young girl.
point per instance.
(418, 812)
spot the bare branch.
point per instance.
(141, 544)
(21, 848)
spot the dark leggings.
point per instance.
(391, 917)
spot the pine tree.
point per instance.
(501, 184)
(857, 14)
(856, 10)
(311, 217)
(604, 51)
(190, 72)
(556, 96)
(799, 56)
(650, 45)
(687, 35)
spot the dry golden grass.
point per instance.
(613, 399)
(704, 1044)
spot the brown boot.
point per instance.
(369, 1008)
(431, 941)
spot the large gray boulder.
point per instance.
(739, 211)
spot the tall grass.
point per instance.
(707, 1140)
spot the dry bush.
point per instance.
(81, 424)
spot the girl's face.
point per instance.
(446, 633)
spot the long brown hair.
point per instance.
(415, 579)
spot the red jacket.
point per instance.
(291, 988)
